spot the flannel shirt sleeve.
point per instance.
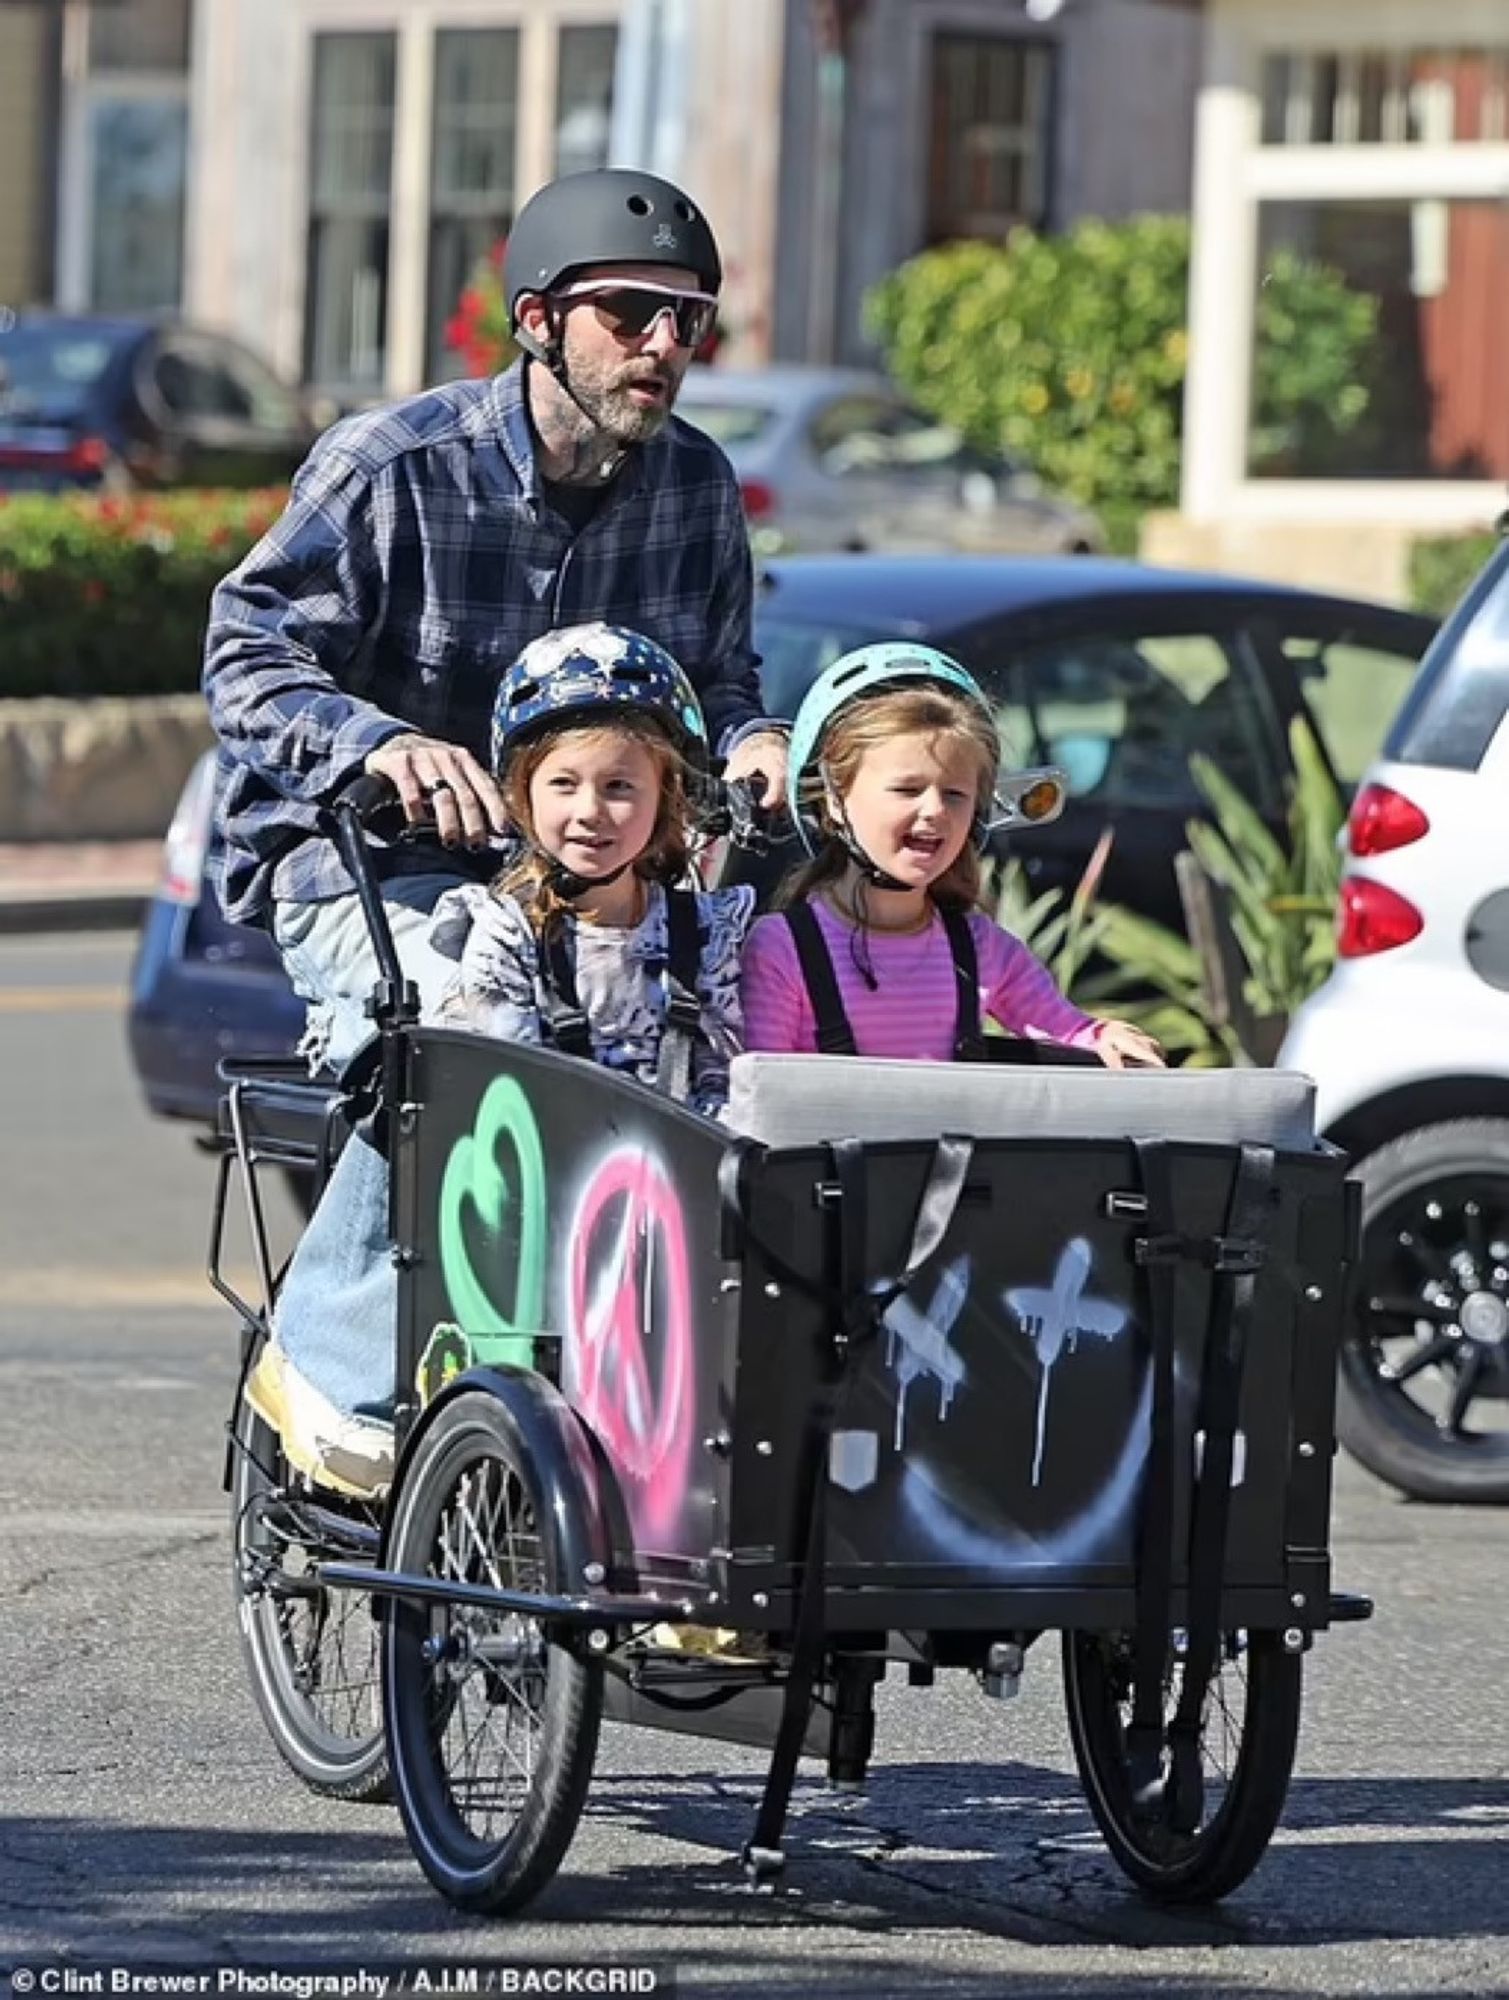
(731, 700)
(287, 634)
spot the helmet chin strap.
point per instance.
(870, 871)
(553, 357)
(571, 887)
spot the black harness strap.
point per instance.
(683, 1010)
(834, 1035)
(968, 1041)
(566, 1020)
(564, 1016)
(1236, 1271)
(859, 1306)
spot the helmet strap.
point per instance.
(869, 871)
(567, 884)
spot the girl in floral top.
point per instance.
(582, 943)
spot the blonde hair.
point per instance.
(947, 718)
(666, 854)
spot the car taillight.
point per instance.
(89, 454)
(1382, 819)
(1374, 918)
(759, 499)
(188, 838)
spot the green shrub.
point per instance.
(1442, 566)
(1070, 352)
(100, 595)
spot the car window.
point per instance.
(1352, 690)
(793, 652)
(729, 423)
(204, 381)
(1125, 713)
(1461, 693)
(870, 434)
(47, 372)
(193, 388)
(265, 401)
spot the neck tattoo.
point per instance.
(573, 451)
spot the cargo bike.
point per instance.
(715, 1428)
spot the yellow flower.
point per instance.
(1035, 399)
(1080, 383)
(1176, 345)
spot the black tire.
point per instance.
(489, 1825)
(1248, 1738)
(1423, 1387)
(313, 1655)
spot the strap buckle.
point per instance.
(1232, 1256)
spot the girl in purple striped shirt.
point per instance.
(878, 947)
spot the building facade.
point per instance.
(319, 176)
(1372, 135)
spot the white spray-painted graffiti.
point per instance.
(1055, 1317)
(917, 1341)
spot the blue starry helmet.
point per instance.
(584, 673)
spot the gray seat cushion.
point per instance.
(801, 1100)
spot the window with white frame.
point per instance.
(1427, 380)
(584, 97)
(472, 170)
(990, 134)
(351, 173)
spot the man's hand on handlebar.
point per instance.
(763, 756)
(441, 785)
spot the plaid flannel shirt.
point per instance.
(414, 562)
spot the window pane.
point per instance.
(1397, 97)
(138, 154)
(352, 150)
(1392, 313)
(1124, 715)
(472, 179)
(584, 98)
(1352, 691)
(988, 146)
(140, 35)
(353, 121)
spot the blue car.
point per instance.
(1118, 673)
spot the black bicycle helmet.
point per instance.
(609, 215)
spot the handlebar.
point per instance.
(348, 815)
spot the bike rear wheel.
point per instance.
(313, 1654)
(1248, 1733)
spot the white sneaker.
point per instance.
(351, 1455)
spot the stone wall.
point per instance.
(109, 769)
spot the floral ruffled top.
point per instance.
(497, 988)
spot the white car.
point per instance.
(1408, 1042)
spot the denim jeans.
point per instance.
(337, 1315)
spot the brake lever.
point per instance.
(748, 822)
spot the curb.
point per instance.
(73, 910)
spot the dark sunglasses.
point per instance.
(629, 311)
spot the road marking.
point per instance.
(114, 1526)
(61, 999)
(93, 1291)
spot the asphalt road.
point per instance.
(144, 1815)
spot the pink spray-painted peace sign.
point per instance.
(631, 1332)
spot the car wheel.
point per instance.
(1423, 1391)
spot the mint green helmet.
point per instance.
(886, 663)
